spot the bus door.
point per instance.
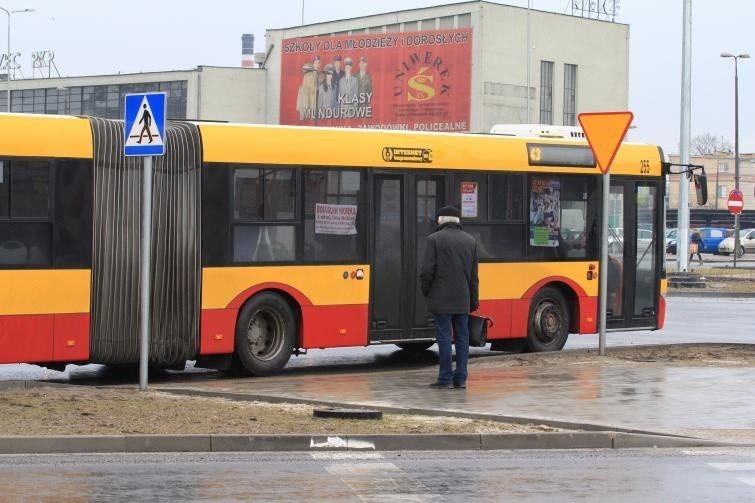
(404, 215)
(635, 250)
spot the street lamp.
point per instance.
(736, 142)
(9, 13)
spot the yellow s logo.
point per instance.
(421, 86)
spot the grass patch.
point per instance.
(93, 411)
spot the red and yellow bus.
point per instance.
(268, 240)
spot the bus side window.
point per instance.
(264, 209)
(25, 213)
(333, 216)
(499, 226)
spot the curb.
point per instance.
(553, 423)
(715, 295)
(317, 443)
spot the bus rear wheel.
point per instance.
(548, 326)
(265, 334)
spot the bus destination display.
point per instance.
(544, 154)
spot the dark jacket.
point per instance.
(448, 275)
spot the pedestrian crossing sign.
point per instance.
(145, 124)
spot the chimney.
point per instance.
(247, 50)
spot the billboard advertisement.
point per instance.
(417, 81)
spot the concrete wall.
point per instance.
(230, 94)
(599, 49)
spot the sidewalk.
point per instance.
(712, 402)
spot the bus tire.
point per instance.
(265, 334)
(415, 347)
(548, 326)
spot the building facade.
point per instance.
(204, 93)
(719, 169)
(461, 67)
(575, 64)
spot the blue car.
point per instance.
(711, 237)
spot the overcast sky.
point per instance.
(92, 37)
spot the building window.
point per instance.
(98, 101)
(447, 23)
(723, 167)
(723, 191)
(546, 92)
(428, 24)
(570, 95)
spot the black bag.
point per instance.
(478, 330)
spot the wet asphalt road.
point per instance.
(699, 319)
(648, 475)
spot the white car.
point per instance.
(746, 243)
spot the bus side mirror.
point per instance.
(701, 188)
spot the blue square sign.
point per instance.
(145, 124)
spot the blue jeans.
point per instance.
(461, 340)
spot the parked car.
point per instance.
(616, 239)
(746, 243)
(711, 237)
(671, 239)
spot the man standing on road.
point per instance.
(448, 278)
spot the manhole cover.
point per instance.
(341, 413)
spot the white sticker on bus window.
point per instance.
(339, 219)
(545, 212)
(469, 199)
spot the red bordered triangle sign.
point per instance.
(604, 132)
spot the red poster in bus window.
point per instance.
(545, 212)
(410, 80)
(469, 199)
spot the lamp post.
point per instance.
(9, 13)
(736, 142)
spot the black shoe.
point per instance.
(442, 385)
(461, 385)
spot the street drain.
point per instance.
(341, 413)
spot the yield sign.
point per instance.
(735, 202)
(604, 132)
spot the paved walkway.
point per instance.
(709, 402)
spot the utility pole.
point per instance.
(682, 240)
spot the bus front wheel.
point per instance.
(548, 326)
(265, 334)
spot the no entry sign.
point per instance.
(735, 202)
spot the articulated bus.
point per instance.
(271, 240)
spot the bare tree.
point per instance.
(707, 144)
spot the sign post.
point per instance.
(736, 204)
(145, 137)
(604, 132)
